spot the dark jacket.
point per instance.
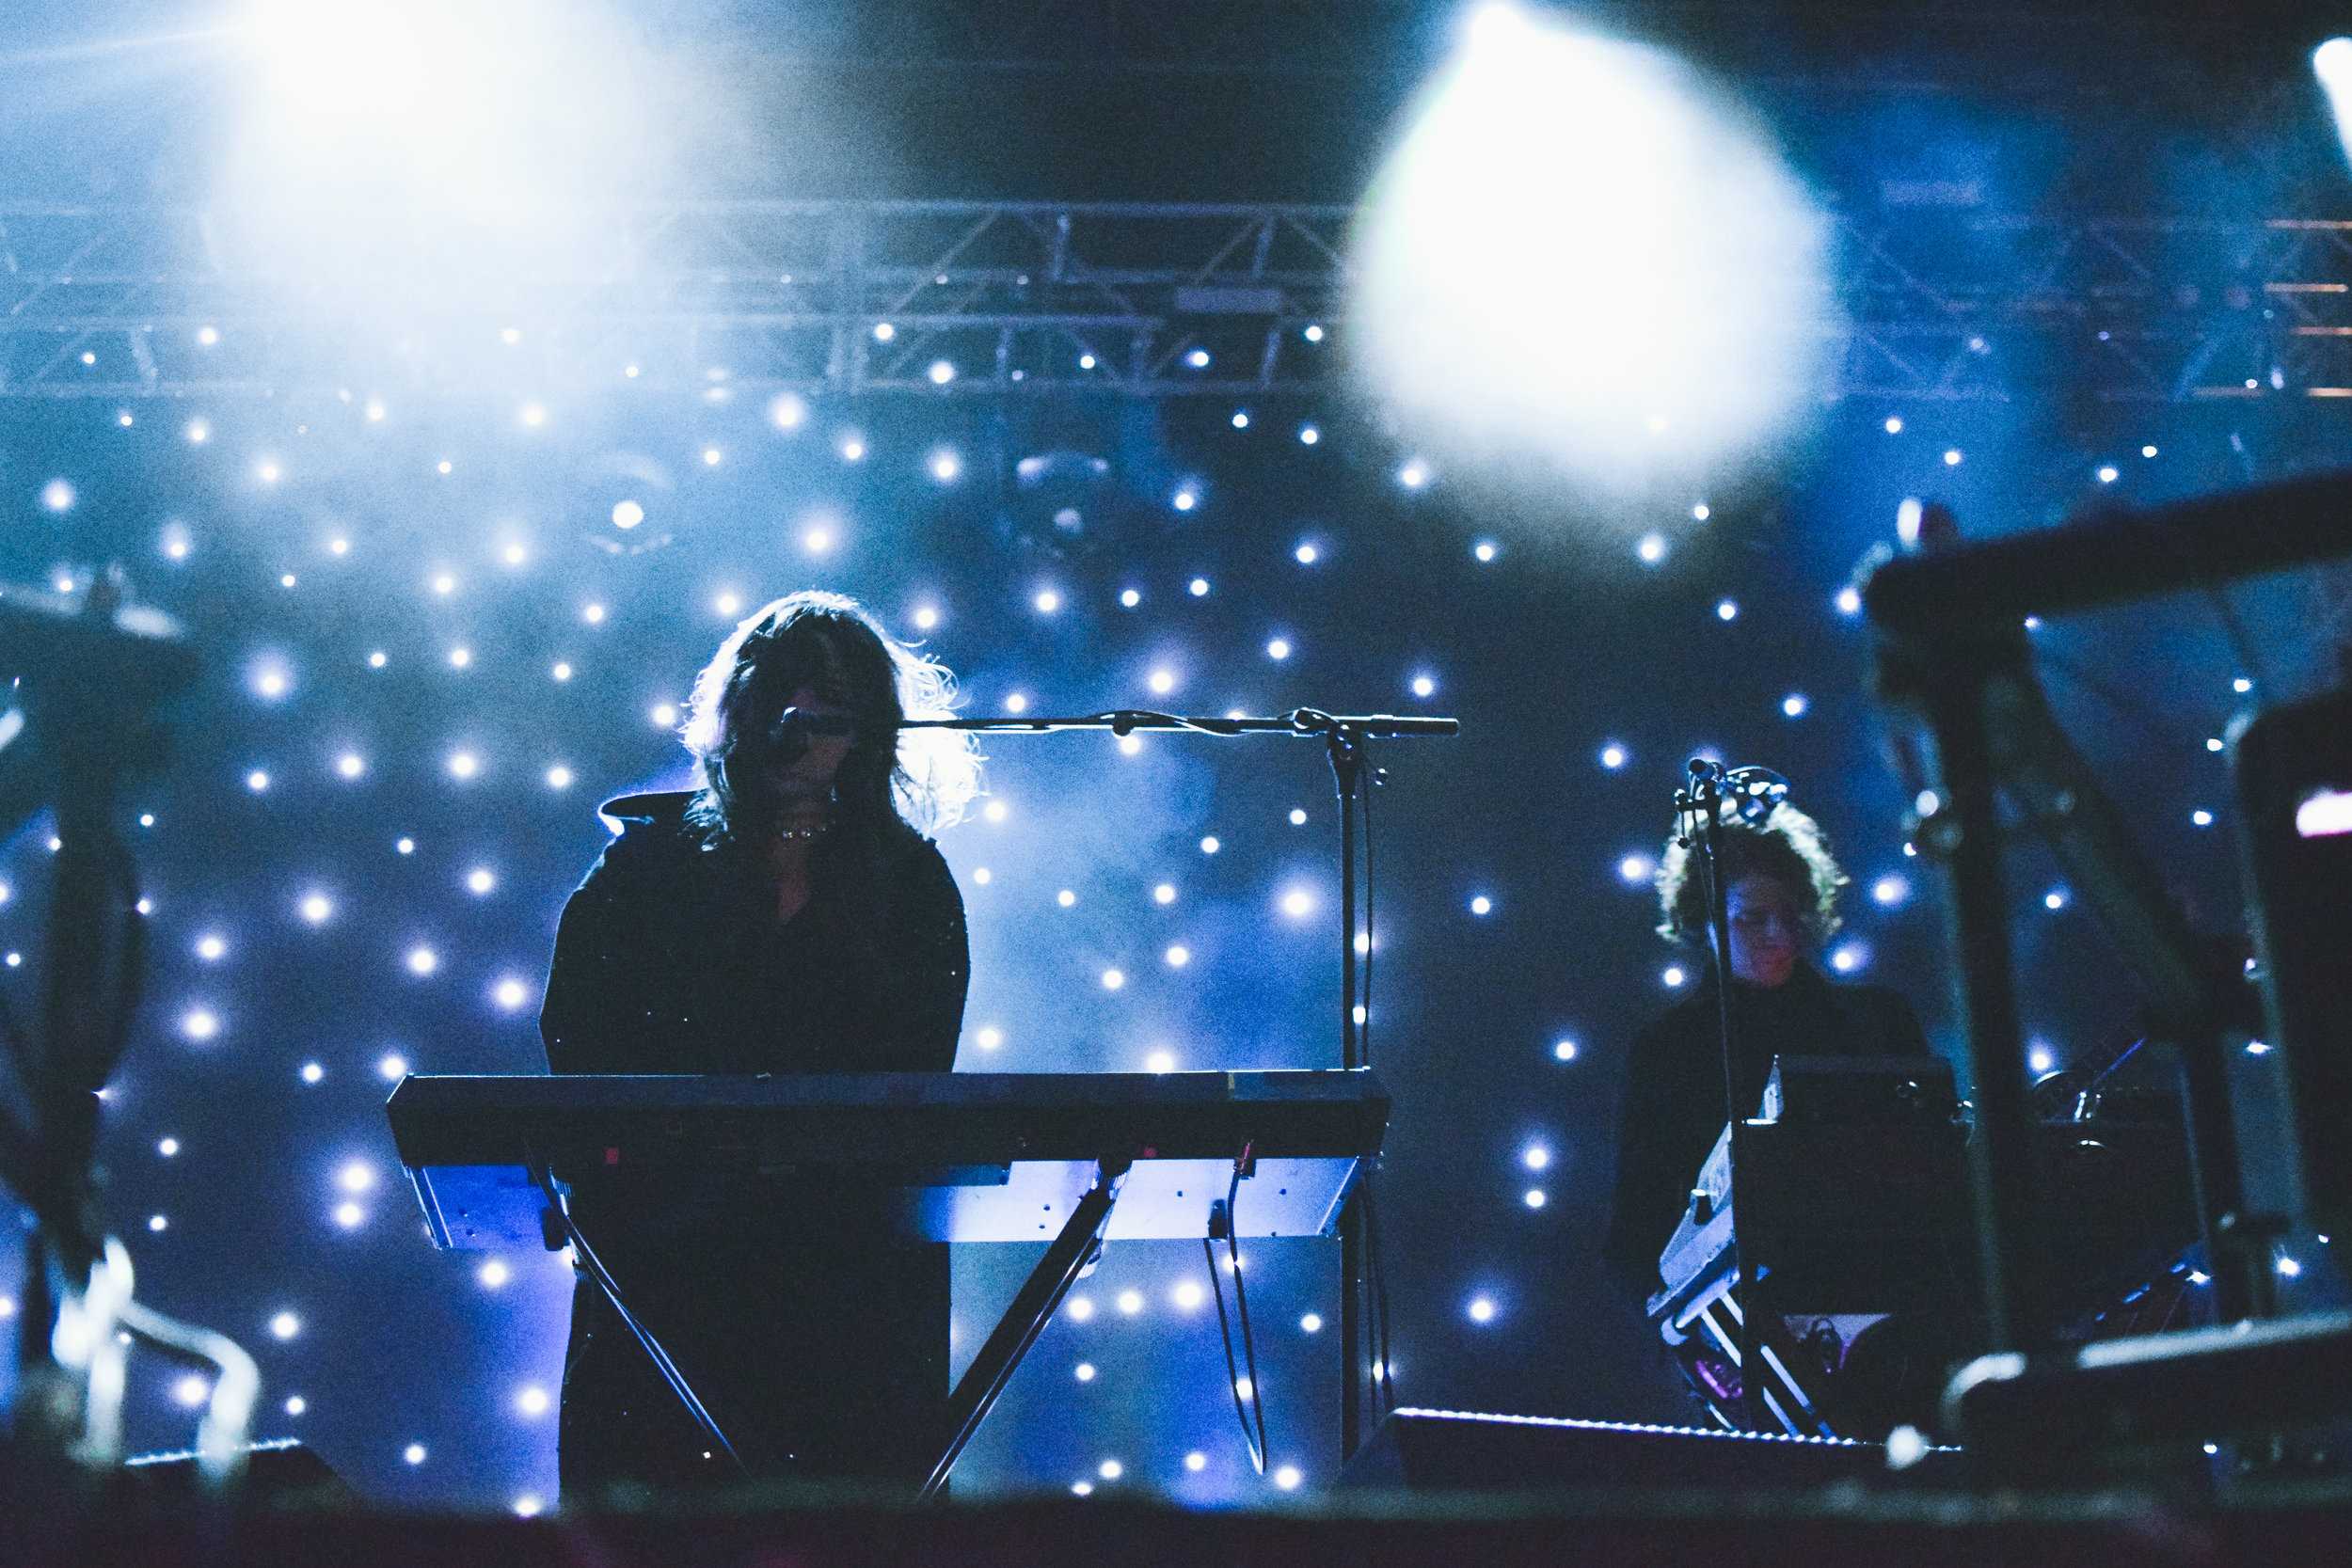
(815, 1332)
(1672, 1110)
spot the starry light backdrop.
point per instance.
(440, 632)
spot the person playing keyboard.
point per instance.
(788, 914)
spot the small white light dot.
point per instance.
(1179, 956)
(1726, 609)
(1794, 704)
(296, 1405)
(1296, 903)
(312, 1072)
(1197, 359)
(1890, 889)
(946, 466)
(559, 777)
(191, 1390)
(350, 1215)
(257, 781)
(285, 1325)
(1672, 976)
(989, 1039)
(1423, 686)
(392, 1067)
(413, 1453)
(1211, 845)
(1185, 499)
(1160, 1061)
(493, 1273)
(1196, 1461)
(509, 993)
(1085, 361)
(2202, 818)
(1951, 457)
(1651, 549)
(1308, 435)
(199, 1023)
(1481, 904)
(664, 715)
(1164, 893)
(1113, 979)
(1131, 1302)
(404, 846)
(376, 659)
(1482, 1310)
(2054, 899)
(1536, 1157)
(157, 1224)
(1702, 512)
(1413, 475)
(1307, 554)
(1298, 817)
(1564, 1051)
(422, 960)
(2107, 473)
(168, 1146)
(712, 456)
(1188, 1294)
(464, 764)
(1287, 1476)
(198, 432)
(1533, 1198)
(1084, 1372)
(1197, 588)
(2040, 1059)
(1047, 601)
(316, 907)
(2289, 1268)
(531, 1400)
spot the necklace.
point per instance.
(798, 835)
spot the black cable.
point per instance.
(1241, 1299)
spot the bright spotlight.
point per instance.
(1585, 257)
(2332, 62)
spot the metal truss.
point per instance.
(994, 299)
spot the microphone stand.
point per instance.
(1703, 799)
(1345, 737)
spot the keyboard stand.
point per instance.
(1068, 1255)
(557, 1220)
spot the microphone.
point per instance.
(797, 726)
(1753, 791)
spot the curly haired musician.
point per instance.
(786, 915)
(1781, 886)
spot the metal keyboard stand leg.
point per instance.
(1078, 1245)
(662, 1364)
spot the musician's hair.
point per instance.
(892, 779)
(1787, 846)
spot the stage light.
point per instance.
(422, 960)
(464, 764)
(1726, 609)
(1186, 499)
(1114, 979)
(1484, 551)
(1309, 435)
(1413, 475)
(1197, 359)
(1423, 686)
(316, 907)
(664, 716)
(1298, 817)
(1635, 870)
(941, 373)
(1131, 1302)
(2332, 63)
(57, 496)
(2038, 1058)
(191, 1390)
(198, 432)
(285, 1325)
(946, 466)
(561, 669)
(1482, 1309)
(2107, 473)
(1178, 956)
(2201, 818)
(1890, 891)
(994, 811)
(1016, 701)
(199, 1023)
(168, 1146)
(1951, 457)
(312, 1072)
(989, 1037)
(1702, 512)
(1523, 321)
(1849, 958)
(404, 846)
(1534, 1197)
(1482, 905)
(296, 1405)
(267, 472)
(1536, 1157)
(1197, 588)
(852, 450)
(1085, 361)
(1047, 601)
(1793, 705)
(1651, 549)
(1564, 1051)
(1241, 418)
(2054, 899)
(1210, 845)
(1297, 903)
(1187, 1294)
(413, 1453)
(1278, 648)
(157, 1223)
(883, 332)
(1672, 977)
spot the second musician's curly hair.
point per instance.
(1787, 846)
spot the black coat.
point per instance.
(816, 1335)
(1672, 1110)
